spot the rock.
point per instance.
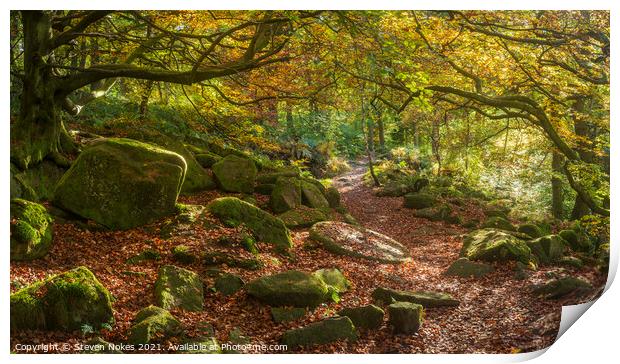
(494, 245)
(497, 222)
(183, 254)
(19, 187)
(425, 298)
(122, 183)
(367, 317)
(178, 287)
(405, 317)
(271, 178)
(344, 239)
(498, 208)
(531, 230)
(36, 183)
(145, 255)
(571, 262)
(228, 284)
(218, 258)
(302, 216)
(419, 200)
(65, 301)
(558, 288)
(322, 332)
(287, 314)
(153, 324)
(442, 212)
(31, 230)
(463, 267)
(392, 189)
(312, 195)
(289, 288)
(207, 159)
(266, 227)
(333, 278)
(264, 188)
(196, 178)
(235, 174)
(577, 241)
(333, 197)
(286, 194)
(548, 249)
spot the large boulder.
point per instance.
(425, 298)
(577, 240)
(560, 287)
(405, 317)
(66, 301)
(498, 222)
(31, 230)
(333, 197)
(286, 194)
(312, 195)
(207, 159)
(365, 317)
(228, 284)
(290, 288)
(235, 174)
(302, 216)
(464, 267)
(419, 200)
(344, 239)
(548, 249)
(266, 227)
(322, 332)
(122, 183)
(153, 324)
(531, 230)
(178, 287)
(495, 245)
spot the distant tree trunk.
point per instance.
(557, 198)
(381, 130)
(290, 125)
(582, 129)
(144, 99)
(371, 135)
(435, 140)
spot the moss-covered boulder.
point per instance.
(183, 254)
(36, 183)
(266, 227)
(367, 317)
(178, 287)
(334, 279)
(302, 216)
(333, 197)
(548, 249)
(494, 245)
(464, 267)
(264, 188)
(577, 240)
(531, 229)
(560, 287)
(31, 230)
(312, 195)
(425, 298)
(405, 317)
(322, 332)
(122, 183)
(207, 159)
(499, 208)
(441, 212)
(152, 325)
(65, 301)
(228, 284)
(286, 194)
(287, 314)
(497, 222)
(344, 239)
(419, 200)
(290, 288)
(235, 174)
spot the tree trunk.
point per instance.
(371, 135)
(582, 129)
(557, 199)
(381, 130)
(435, 136)
(144, 99)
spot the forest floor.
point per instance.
(497, 313)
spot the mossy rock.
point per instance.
(369, 317)
(31, 230)
(122, 183)
(196, 178)
(183, 254)
(322, 332)
(577, 240)
(271, 178)
(498, 208)
(497, 222)
(264, 188)
(207, 159)
(405, 317)
(312, 195)
(19, 186)
(266, 227)
(178, 287)
(215, 258)
(65, 301)
(419, 200)
(235, 174)
(302, 216)
(530, 229)
(145, 255)
(289, 288)
(495, 245)
(152, 325)
(464, 267)
(425, 298)
(392, 189)
(334, 279)
(228, 284)
(548, 249)
(286, 194)
(333, 197)
(573, 262)
(36, 183)
(345, 239)
(558, 288)
(442, 212)
(287, 314)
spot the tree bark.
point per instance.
(557, 198)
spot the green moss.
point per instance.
(178, 287)
(463, 267)
(302, 216)
(235, 174)
(183, 254)
(65, 301)
(263, 225)
(548, 249)
(558, 288)
(148, 254)
(367, 317)
(333, 197)
(495, 245)
(425, 298)
(498, 222)
(153, 324)
(207, 159)
(405, 317)
(31, 230)
(228, 284)
(290, 288)
(322, 332)
(333, 278)
(419, 200)
(286, 194)
(312, 195)
(287, 314)
(530, 229)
